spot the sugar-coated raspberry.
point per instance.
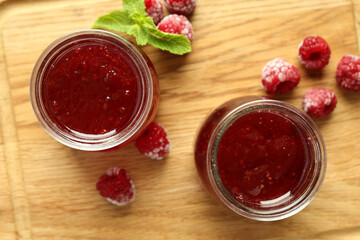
(116, 186)
(314, 52)
(279, 77)
(154, 9)
(348, 73)
(176, 24)
(153, 142)
(182, 7)
(319, 102)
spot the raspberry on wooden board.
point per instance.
(154, 9)
(279, 76)
(153, 142)
(348, 73)
(182, 7)
(116, 186)
(319, 102)
(314, 52)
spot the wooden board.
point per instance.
(48, 190)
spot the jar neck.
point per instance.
(281, 209)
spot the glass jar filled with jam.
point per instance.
(264, 159)
(93, 90)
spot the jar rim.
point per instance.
(312, 187)
(84, 141)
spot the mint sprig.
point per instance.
(133, 21)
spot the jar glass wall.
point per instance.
(263, 159)
(94, 90)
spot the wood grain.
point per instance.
(48, 190)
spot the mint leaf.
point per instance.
(133, 21)
(117, 20)
(122, 22)
(174, 43)
(134, 6)
(139, 33)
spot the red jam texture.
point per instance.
(264, 158)
(261, 156)
(92, 88)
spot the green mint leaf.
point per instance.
(117, 20)
(135, 6)
(174, 43)
(133, 21)
(122, 22)
(139, 33)
(148, 23)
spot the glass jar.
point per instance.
(94, 90)
(263, 159)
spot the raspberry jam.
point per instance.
(71, 89)
(267, 151)
(93, 90)
(264, 159)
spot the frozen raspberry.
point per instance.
(153, 142)
(314, 52)
(154, 9)
(319, 102)
(348, 73)
(279, 77)
(176, 24)
(116, 186)
(182, 7)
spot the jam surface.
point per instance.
(261, 157)
(91, 88)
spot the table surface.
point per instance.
(48, 190)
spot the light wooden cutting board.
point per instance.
(47, 190)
